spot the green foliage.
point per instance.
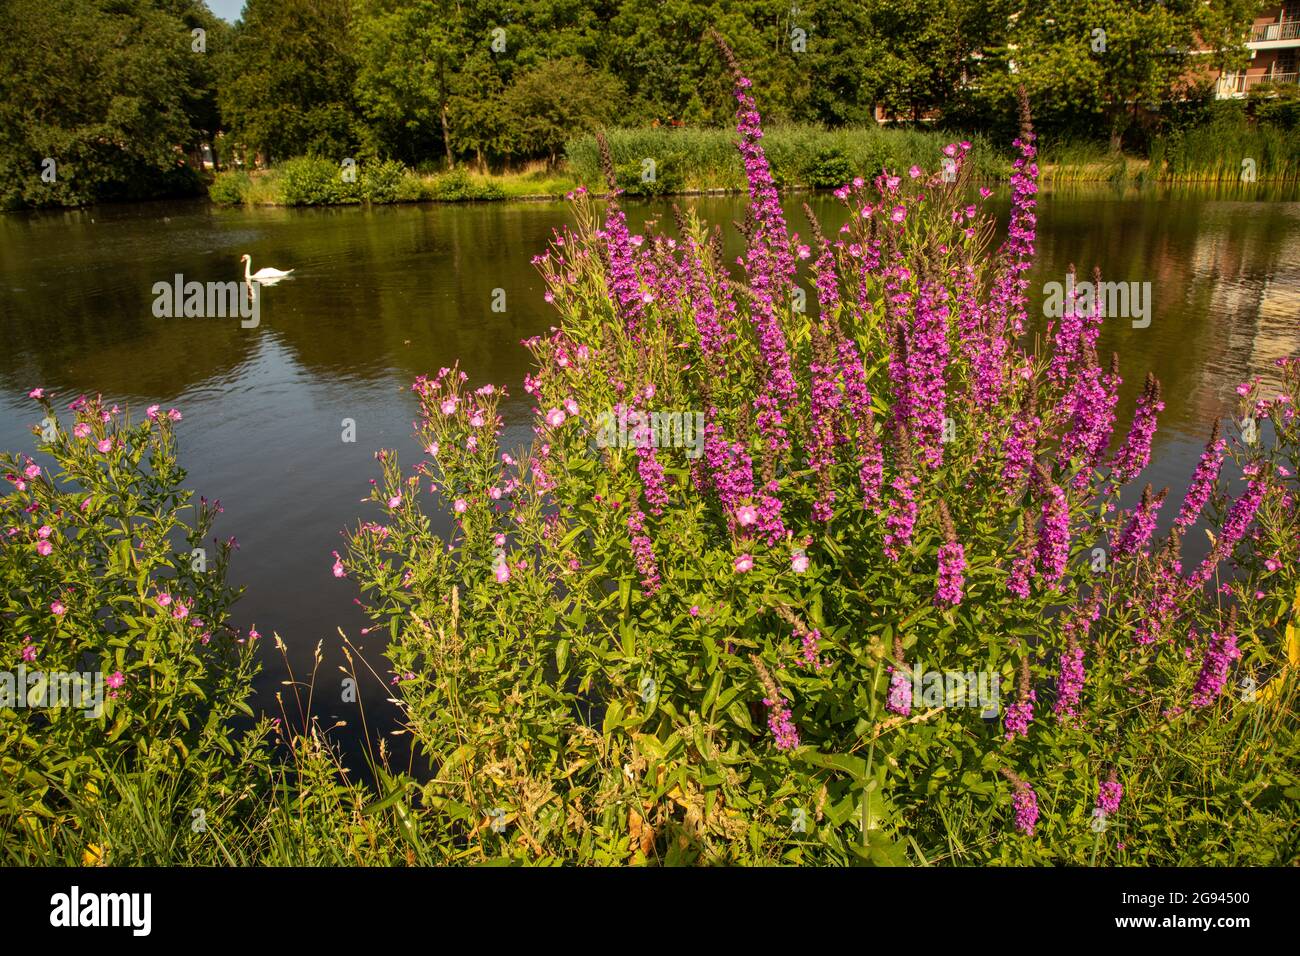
(1092, 66)
(707, 159)
(111, 92)
(829, 169)
(308, 181)
(104, 571)
(286, 84)
(230, 188)
(597, 711)
(381, 182)
(1276, 105)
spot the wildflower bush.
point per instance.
(628, 652)
(107, 569)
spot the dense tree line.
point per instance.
(118, 92)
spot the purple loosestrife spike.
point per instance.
(779, 719)
(1109, 795)
(952, 564)
(1069, 682)
(1020, 445)
(1021, 714)
(1024, 801)
(1167, 588)
(1023, 566)
(768, 262)
(899, 698)
(1068, 336)
(1092, 417)
(643, 553)
(928, 359)
(1140, 525)
(1054, 538)
(1135, 454)
(901, 508)
(648, 467)
(824, 413)
(1220, 651)
(1072, 675)
(1240, 515)
(1203, 479)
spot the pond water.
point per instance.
(381, 295)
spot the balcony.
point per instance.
(1274, 32)
(1240, 85)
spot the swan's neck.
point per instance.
(248, 269)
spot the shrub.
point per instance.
(312, 181)
(713, 635)
(230, 188)
(458, 185)
(829, 169)
(381, 182)
(104, 573)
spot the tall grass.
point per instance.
(800, 155)
(1217, 152)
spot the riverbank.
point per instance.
(663, 162)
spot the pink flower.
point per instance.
(252, 634)
(743, 563)
(36, 393)
(476, 420)
(151, 413)
(799, 562)
(695, 610)
(555, 417)
(502, 572)
(181, 611)
(105, 446)
(115, 680)
(395, 502)
(571, 406)
(164, 599)
(81, 429)
(460, 506)
(44, 531)
(29, 652)
(174, 414)
(32, 471)
(338, 565)
(746, 515)
(58, 608)
(915, 172)
(448, 406)
(44, 547)
(898, 213)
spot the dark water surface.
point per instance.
(381, 295)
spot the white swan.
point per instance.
(265, 275)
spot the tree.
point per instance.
(1089, 62)
(406, 59)
(287, 84)
(101, 99)
(556, 100)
